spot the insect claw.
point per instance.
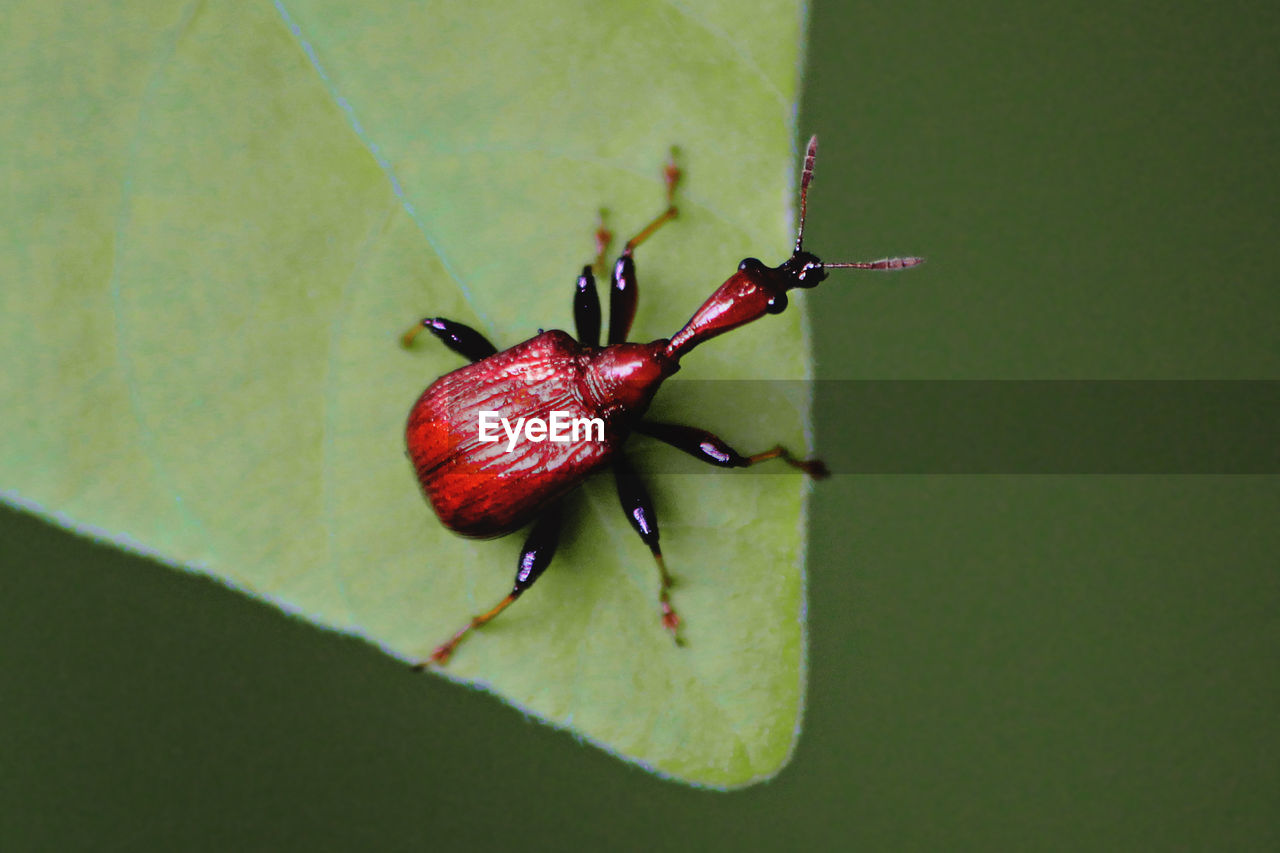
(671, 620)
(439, 657)
(671, 174)
(435, 660)
(815, 468)
(604, 237)
(443, 652)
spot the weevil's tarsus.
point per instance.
(604, 239)
(637, 505)
(623, 294)
(671, 177)
(671, 174)
(815, 468)
(648, 231)
(443, 652)
(670, 619)
(539, 548)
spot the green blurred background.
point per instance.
(997, 662)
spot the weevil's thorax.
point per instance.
(621, 379)
(802, 269)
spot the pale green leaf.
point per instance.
(218, 217)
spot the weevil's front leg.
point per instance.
(538, 550)
(623, 294)
(463, 340)
(638, 507)
(711, 448)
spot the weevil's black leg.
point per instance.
(638, 506)
(711, 448)
(604, 239)
(538, 550)
(623, 294)
(463, 340)
(586, 309)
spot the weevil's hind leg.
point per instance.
(709, 447)
(623, 294)
(463, 340)
(638, 507)
(536, 555)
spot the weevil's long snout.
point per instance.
(755, 290)
(750, 293)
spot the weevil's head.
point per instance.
(802, 269)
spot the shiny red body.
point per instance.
(486, 485)
(479, 488)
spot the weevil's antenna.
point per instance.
(806, 178)
(882, 264)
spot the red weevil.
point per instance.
(487, 488)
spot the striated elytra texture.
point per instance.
(489, 488)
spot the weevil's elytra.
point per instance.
(490, 488)
(459, 472)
